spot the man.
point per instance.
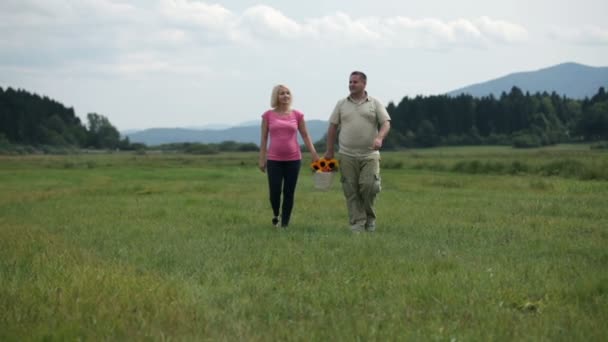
(362, 123)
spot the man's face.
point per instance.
(356, 85)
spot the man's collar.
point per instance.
(365, 99)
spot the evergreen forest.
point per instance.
(515, 118)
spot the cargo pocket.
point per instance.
(377, 187)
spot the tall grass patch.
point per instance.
(572, 161)
(175, 247)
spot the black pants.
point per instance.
(282, 177)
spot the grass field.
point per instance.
(473, 244)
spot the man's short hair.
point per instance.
(360, 74)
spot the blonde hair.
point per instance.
(274, 97)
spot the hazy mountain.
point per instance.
(209, 126)
(249, 123)
(573, 80)
(244, 134)
(127, 132)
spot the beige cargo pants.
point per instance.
(361, 183)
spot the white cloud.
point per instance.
(340, 29)
(117, 26)
(404, 32)
(266, 22)
(58, 13)
(178, 35)
(501, 31)
(213, 17)
(590, 35)
(206, 22)
(432, 33)
(53, 26)
(263, 23)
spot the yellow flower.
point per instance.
(325, 165)
(332, 164)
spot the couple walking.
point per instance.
(360, 123)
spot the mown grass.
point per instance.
(174, 247)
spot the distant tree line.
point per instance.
(515, 118)
(212, 148)
(28, 119)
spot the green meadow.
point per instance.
(472, 244)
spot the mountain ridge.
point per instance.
(570, 79)
(240, 133)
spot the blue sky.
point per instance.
(185, 63)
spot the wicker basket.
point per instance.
(323, 180)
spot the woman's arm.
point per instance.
(263, 145)
(307, 141)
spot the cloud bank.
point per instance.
(126, 38)
(262, 23)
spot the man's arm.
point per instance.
(382, 132)
(331, 140)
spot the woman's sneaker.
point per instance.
(275, 221)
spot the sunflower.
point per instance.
(332, 164)
(324, 165)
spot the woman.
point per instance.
(282, 159)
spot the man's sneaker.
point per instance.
(357, 228)
(370, 225)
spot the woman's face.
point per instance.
(284, 96)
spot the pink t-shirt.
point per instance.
(283, 134)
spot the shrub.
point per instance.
(594, 174)
(497, 139)
(473, 166)
(566, 168)
(4, 140)
(526, 141)
(202, 149)
(602, 145)
(392, 164)
(517, 167)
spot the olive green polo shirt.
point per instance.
(358, 125)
